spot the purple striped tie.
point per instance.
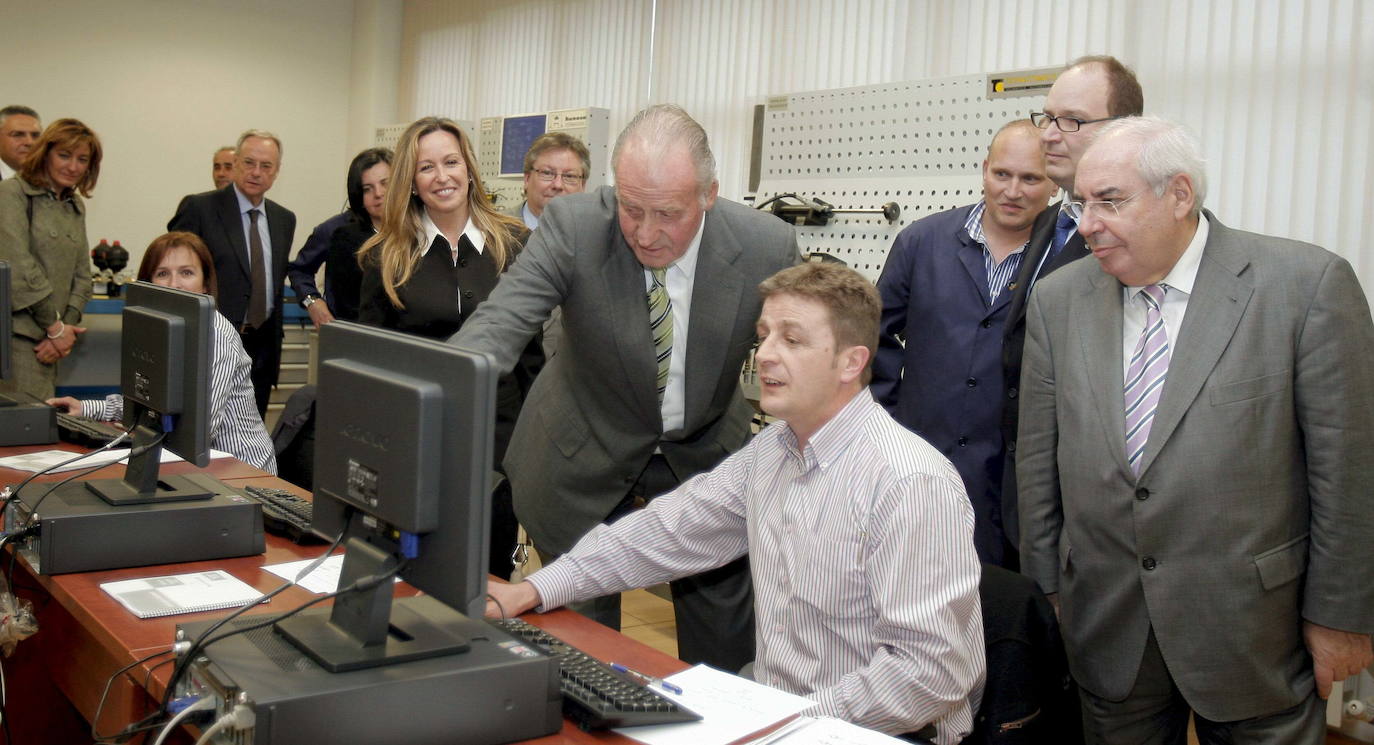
(1145, 377)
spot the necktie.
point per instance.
(1145, 376)
(257, 300)
(1064, 228)
(661, 326)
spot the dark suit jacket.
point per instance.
(1034, 267)
(946, 383)
(215, 217)
(1253, 509)
(592, 419)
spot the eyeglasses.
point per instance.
(1106, 209)
(1065, 123)
(547, 176)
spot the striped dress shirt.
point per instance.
(235, 426)
(999, 275)
(865, 575)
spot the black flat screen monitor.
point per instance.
(403, 459)
(164, 375)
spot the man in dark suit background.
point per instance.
(1091, 91)
(249, 237)
(617, 417)
(944, 292)
(19, 131)
(1197, 449)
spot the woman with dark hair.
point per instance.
(438, 254)
(365, 183)
(181, 260)
(43, 237)
(368, 178)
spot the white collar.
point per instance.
(246, 204)
(1184, 272)
(686, 264)
(430, 230)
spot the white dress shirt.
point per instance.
(6, 172)
(861, 550)
(678, 278)
(1180, 280)
(235, 426)
(264, 233)
(531, 219)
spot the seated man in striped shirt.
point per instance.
(859, 533)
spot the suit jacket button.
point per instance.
(1148, 563)
(971, 382)
(467, 295)
(1012, 393)
(987, 323)
(963, 441)
(462, 262)
(1142, 494)
(1011, 446)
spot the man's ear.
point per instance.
(853, 362)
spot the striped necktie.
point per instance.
(1145, 376)
(661, 326)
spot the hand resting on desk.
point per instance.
(514, 599)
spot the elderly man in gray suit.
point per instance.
(1197, 458)
(656, 279)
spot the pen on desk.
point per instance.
(670, 687)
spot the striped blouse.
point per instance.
(235, 426)
(861, 548)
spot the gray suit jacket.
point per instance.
(1253, 509)
(592, 419)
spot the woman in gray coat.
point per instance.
(43, 237)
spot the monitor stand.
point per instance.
(365, 629)
(141, 483)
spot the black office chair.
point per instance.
(294, 439)
(1029, 696)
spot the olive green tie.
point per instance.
(661, 326)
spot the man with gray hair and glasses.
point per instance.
(19, 130)
(1196, 454)
(656, 279)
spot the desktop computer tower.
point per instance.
(80, 532)
(498, 691)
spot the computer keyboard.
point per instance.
(284, 513)
(82, 431)
(594, 695)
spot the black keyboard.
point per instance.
(284, 513)
(82, 431)
(594, 695)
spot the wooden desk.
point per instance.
(85, 636)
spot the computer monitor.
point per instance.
(164, 374)
(403, 459)
(517, 134)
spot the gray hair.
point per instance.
(1166, 150)
(664, 125)
(263, 134)
(17, 110)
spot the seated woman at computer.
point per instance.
(182, 261)
(43, 237)
(437, 255)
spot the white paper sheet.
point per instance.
(731, 708)
(45, 459)
(324, 579)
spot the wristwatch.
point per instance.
(309, 300)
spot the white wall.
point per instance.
(1280, 91)
(164, 82)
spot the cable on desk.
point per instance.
(200, 704)
(14, 493)
(95, 721)
(184, 661)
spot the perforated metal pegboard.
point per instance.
(590, 125)
(920, 144)
(390, 135)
